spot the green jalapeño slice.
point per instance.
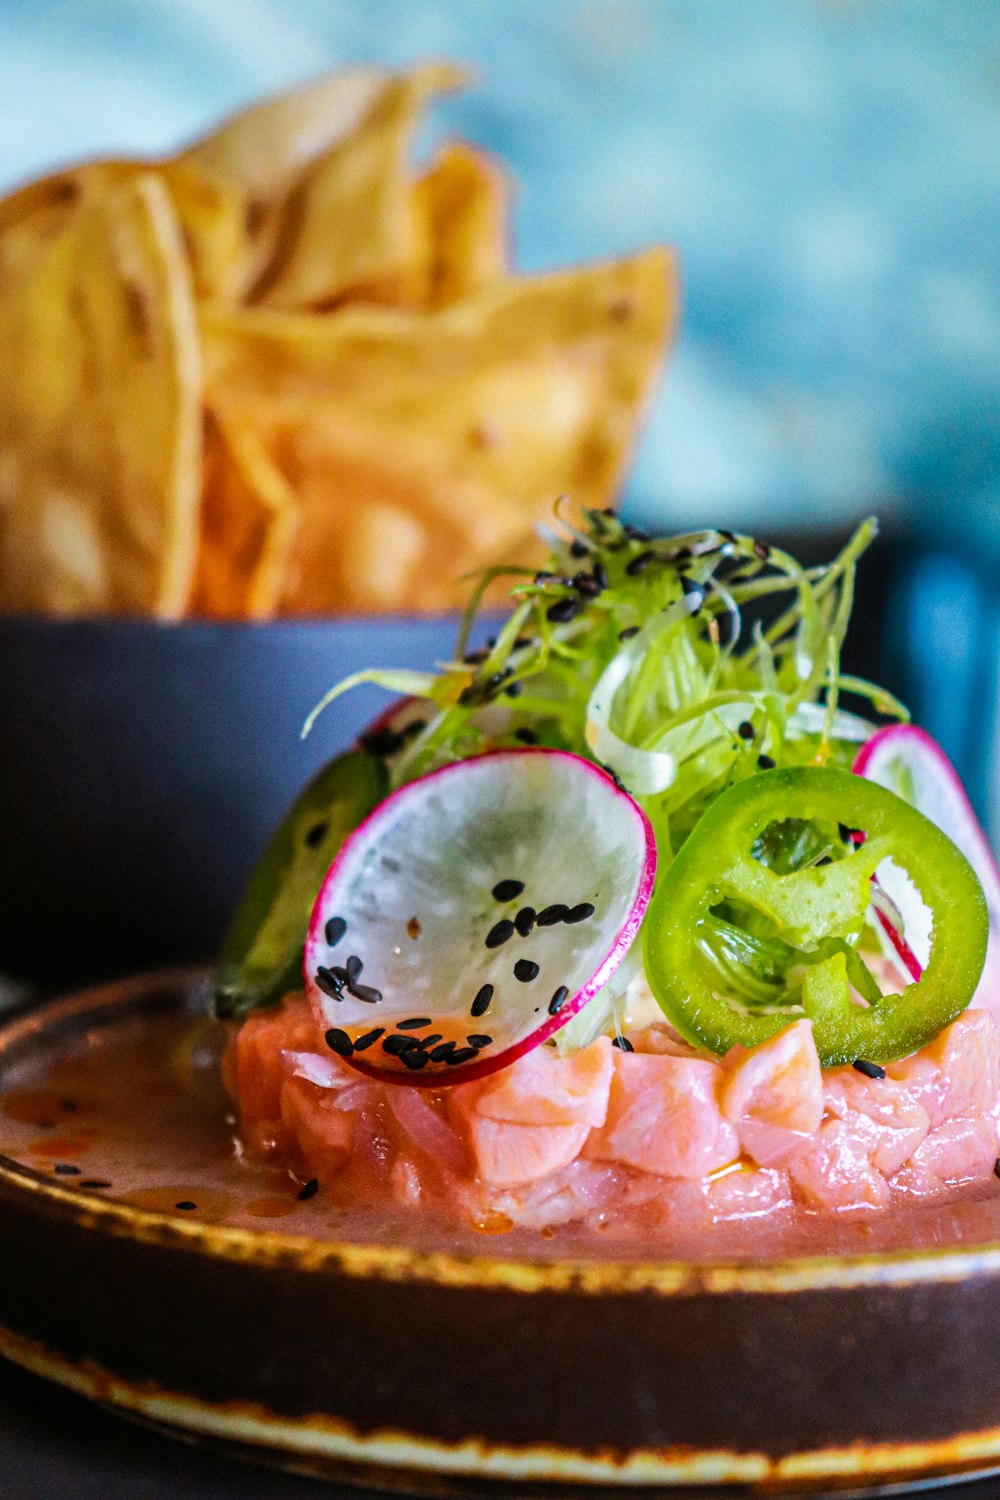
(764, 916)
(261, 958)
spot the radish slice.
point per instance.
(911, 764)
(474, 912)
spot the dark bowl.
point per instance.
(143, 765)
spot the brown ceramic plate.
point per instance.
(141, 1264)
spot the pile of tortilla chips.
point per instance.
(283, 372)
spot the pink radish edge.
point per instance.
(906, 739)
(623, 940)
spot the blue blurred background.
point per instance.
(828, 169)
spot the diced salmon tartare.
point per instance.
(609, 1134)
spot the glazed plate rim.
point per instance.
(660, 1276)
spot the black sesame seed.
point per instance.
(766, 762)
(366, 993)
(640, 564)
(471, 695)
(525, 970)
(514, 691)
(316, 834)
(95, 1182)
(67, 1169)
(338, 1041)
(479, 1040)
(869, 1069)
(310, 1190)
(329, 983)
(580, 913)
(383, 742)
(746, 730)
(397, 1044)
(693, 590)
(610, 512)
(415, 1060)
(543, 577)
(442, 1053)
(463, 1054)
(353, 967)
(558, 1000)
(525, 920)
(563, 610)
(601, 575)
(550, 915)
(526, 736)
(415, 1023)
(586, 585)
(507, 890)
(186, 1205)
(481, 1004)
(475, 658)
(362, 1043)
(728, 536)
(499, 933)
(334, 930)
(628, 633)
(578, 549)
(623, 1044)
(761, 550)
(634, 534)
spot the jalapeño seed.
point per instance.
(525, 920)
(558, 1000)
(525, 970)
(498, 934)
(507, 890)
(481, 1004)
(580, 913)
(550, 915)
(334, 930)
(369, 1038)
(415, 1023)
(338, 1041)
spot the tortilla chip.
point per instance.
(351, 227)
(465, 200)
(459, 427)
(100, 412)
(264, 148)
(248, 521)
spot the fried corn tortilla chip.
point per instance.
(419, 446)
(464, 199)
(100, 412)
(351, 228)
(248, 520)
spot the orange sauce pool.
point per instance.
(136, 1111)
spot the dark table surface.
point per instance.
(56, 1446)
